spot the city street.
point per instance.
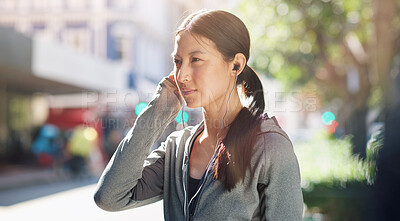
(66, 200)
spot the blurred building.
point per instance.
(70, 55)
(139, 33)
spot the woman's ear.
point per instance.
(238, 63)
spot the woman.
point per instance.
(237, 164)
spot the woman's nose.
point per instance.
(183, 74)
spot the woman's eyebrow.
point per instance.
(190, 53)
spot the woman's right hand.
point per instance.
(171, 77)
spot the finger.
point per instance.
(172, 76)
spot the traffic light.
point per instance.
(327, 118)
(332, 127)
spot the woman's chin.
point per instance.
(191, 104)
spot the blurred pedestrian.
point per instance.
(79, 148)
(112, 131)
(47, 146)
(237, 164)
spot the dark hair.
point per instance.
(231, 36)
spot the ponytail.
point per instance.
(236, 149)
(252, 87)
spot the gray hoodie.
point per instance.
(133, 178)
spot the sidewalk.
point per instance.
(21, 176)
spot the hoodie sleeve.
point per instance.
(280, 190)
(132, 178)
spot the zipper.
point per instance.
(185, 207)
(186, 172)
(203, 184)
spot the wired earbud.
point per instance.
(236, 67)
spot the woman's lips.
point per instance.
(187, 91)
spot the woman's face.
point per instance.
(203, 76)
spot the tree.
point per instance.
(326, 44)
(387, 43)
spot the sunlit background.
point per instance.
(75, 74)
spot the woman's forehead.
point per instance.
(187, 43)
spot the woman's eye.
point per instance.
(176, 61)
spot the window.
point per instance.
(79, 38)
(122, 45)
(39, 29)
(121, 42)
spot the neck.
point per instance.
(214, 127)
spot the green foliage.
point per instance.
(375, 99)
(333, 179)
(337, 203)
(373, 147)
(291, 39)
(328, 160)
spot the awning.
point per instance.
(38, 65)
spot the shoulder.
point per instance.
(271, 137)
(270, 126)
(275, 150)
(276, 147)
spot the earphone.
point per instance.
(236, 67)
